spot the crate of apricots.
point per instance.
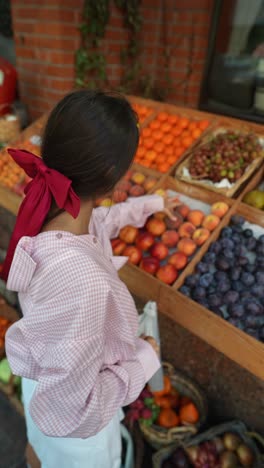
(163, 247)
(11, 175)
(172, 414)
(166, 138)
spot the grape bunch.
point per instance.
(226, 156)
(229, 280)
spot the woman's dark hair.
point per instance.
(91, 137)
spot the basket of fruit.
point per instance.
(223, 161)
(225, 446)
(174, 414)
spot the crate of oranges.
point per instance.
(166, 138)
(143, 111)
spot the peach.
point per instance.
(179, 260)
(211, 221)
(145, 240)
(170, 238)
(159, 215)
(128, 175)
(160, 192)
(186, 230)
(167, 274)
(136, 191)
(186, 246)
(219, 209)
(149, 183)
(174, 223)
(138, 178)
(156, 226)
(183, 210)
(196, 217)
(133, 253)
(200, 236)
(119, 196)
(124, 185)
(159, 251)
(128, 234)
(150, 264)
(118, 246)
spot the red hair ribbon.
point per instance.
(46, 184)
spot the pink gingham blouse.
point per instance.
(77, 337)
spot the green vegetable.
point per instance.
(5, 371)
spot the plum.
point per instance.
(227, 243)
(235, 273)
(243, 261)
(215, 247)
(236, 310)
(236, 322)
(254, 307)
(222, 264)
(257, 290)
(231, 297)
(209, 257)
(229, 254)
(211, 289)
(215, 300)
(252, 321)
(260, 261)
(237, 286)
(199, 292)
(261, 238)
(224, 286)
(247, 279)
(251, 267)
(238, 239)
(237, 220)
(247, 233)
(205, 280)
(202, 267)
(202, 301)
(227, 232)
(260, 277)
(237, 228)
(221, 276)
(192, 280)
(185, 290)
(251, 243)
(260, 249)
(240, 250)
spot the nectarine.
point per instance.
(119, 196)
(179, 260)
(149, 183)
(211, 221)
(219, 209)
(118, 246)
(187, 246)
(136, 191)
(156, 226)
(174, 223)
(170, 238)
(183, 210)
(159, 251)
(167, 274)
(186, 229)
(196, 217)
(150, 264)
(200, 236)
(138, 178)
(128, 234)
(145, 240)
(133, 253)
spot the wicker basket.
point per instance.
(159, 437)
(234, 426)
(9, 128)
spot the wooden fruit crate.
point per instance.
(147, 286)
(238, 185)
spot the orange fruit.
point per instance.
(186, 142)
(171, 160)
(192, 126)
(176, 131)
(178, 151)
(148, 143)
(161, 158)
(168, 418)
(157, 135)
(146, 132)
(173, 119)
(166, 127)
(203, 124)
(169, 150)
(185, 134)
(141, 151)
(197, 133)
(183, 122)
(167, 387)
(162, 116)
(189, 414)
(150, 155)
(163, 401)
(164, 167)
(168, 139)
(176, 142)
(154, 125)
(158, 147)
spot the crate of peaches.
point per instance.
(172, 414)
(163, 247)
(135, 183)
(166, 138)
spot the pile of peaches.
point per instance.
(164, 246)
(133, 184)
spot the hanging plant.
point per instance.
(90, 62)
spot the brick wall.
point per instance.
(46, 39)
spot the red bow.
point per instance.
(46, 183)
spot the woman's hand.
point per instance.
(169, 205)
(152, 343)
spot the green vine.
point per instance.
(89, 61)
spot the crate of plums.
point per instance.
(229, 279)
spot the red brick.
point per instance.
(116, 34)
(51, 29)
(46, 14)
(32, 40)
(45, 55)
(47, 70)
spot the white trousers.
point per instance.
(100, 451)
